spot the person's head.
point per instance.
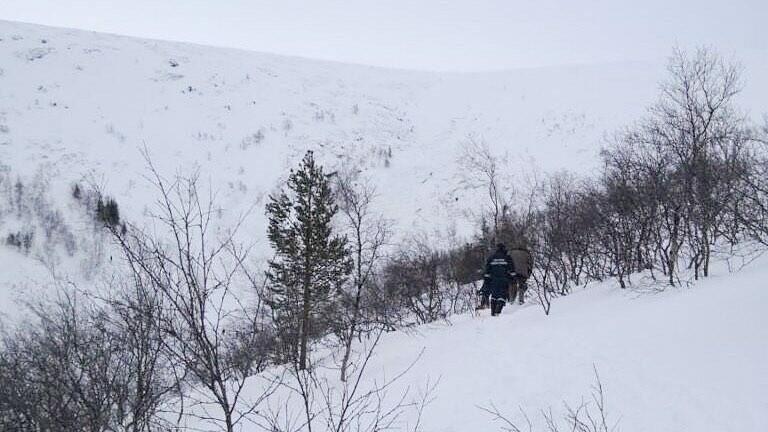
(501, 247)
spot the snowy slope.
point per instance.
(79, 106)
(83, 105)
(682, 360)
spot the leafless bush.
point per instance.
(72, 368)
(31, 203)
(413, 280)
(193, 272)
(591, 416)
(368, 234)
(482, 169)
(346, 406)
(691, 159)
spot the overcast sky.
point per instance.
(425, 34)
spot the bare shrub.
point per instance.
(193, 274)
(346, 406)
(72, 368)
(368, 234)
(590, 416)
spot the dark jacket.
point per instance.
(523, 261)
(499, 270)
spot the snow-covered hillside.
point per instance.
(690, 359)
(82, 105)
(79, 107)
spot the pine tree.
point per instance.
(107, 212)
(311, 261)
(100, 210)
(111, 213)
(76, 192)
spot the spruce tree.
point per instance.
(311, 261)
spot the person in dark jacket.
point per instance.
(499, 271)
(523, 260)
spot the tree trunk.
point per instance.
(304, 338)
(351, 335)
(306, 304)
(707, 252)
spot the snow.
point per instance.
(80, 106)
(83, 105)
(688, 359)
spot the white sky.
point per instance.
(425, 34)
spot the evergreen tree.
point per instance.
(311, 261)
(111, 213)
(107, 212)
(76, 192)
